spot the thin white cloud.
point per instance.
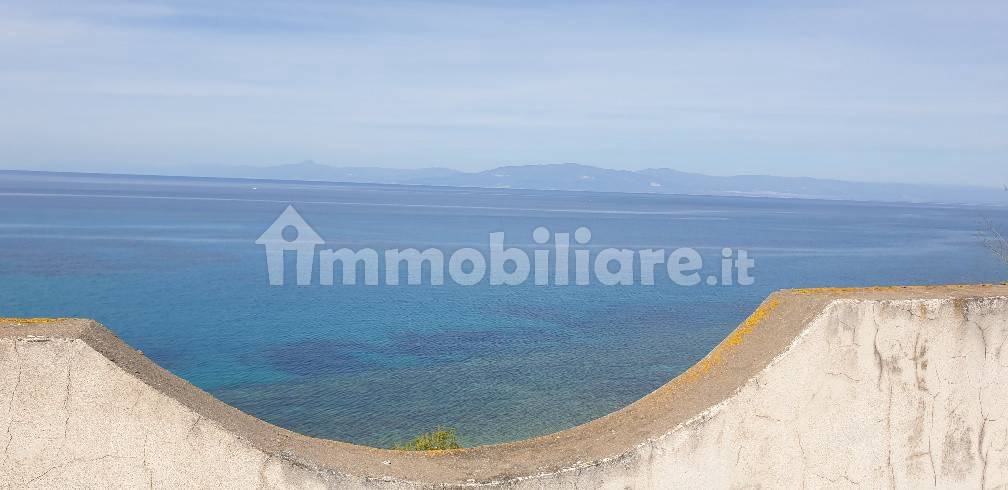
(406, 84)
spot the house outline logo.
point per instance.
(684, 265)
(304, 244)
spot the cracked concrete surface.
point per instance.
(81, 422)
(811, 420)
(870, 390)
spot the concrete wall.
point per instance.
(901, 387)
(901, 394)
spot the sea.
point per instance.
(170, 265)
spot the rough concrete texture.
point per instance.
(901, 387)
(74, 419)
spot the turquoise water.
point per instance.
(169, 264)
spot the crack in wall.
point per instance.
(842, 374)
(801, 448)
(66, 398)
(878, 355)
(71, 462)
(146, 465)
(934, 473)
(837, 480)
(982, 453)
(880, 365)
(262, 472)
(10, 404)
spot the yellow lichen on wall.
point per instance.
(750, 323)
(867, 289)
(733, 340)
(30, 321)
(805, 291)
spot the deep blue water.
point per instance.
(169, 264)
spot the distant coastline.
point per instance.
(583, 178)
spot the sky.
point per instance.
(913, 91)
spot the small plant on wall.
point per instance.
(438, 439)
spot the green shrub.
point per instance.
(439, 438)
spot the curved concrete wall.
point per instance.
(902, 387)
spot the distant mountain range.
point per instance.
(575, 177)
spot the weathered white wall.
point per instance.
(73, 419)
(903, 394)
(906, 393)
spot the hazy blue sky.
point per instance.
(912, 91)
